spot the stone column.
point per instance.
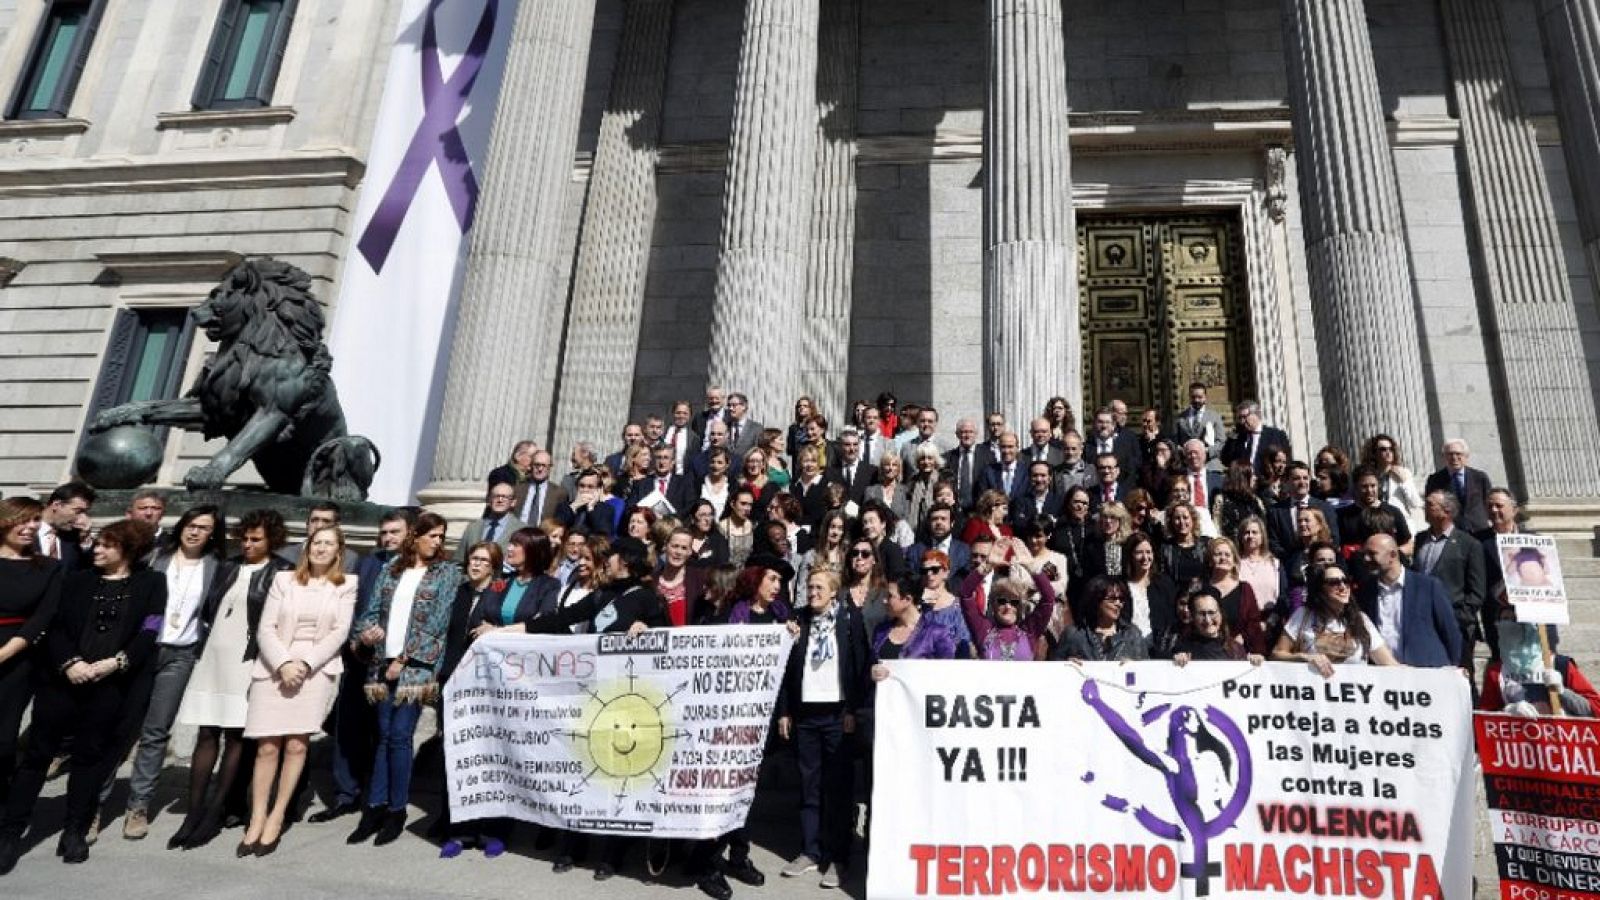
(831, 264)
(597, 368)
(758, 310)
(1535, 327)
(1031, 348)
(1572, 50)
(1365, 313)
(514, 279)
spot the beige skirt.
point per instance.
(275, 712)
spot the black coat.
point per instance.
(1474, 516)
(1238, 445)
(134, 633)
(255, 601)
(633, 602)
(855, 662)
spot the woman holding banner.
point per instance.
(480, 601)
(1105, 637)
(825, 685)
(1330, 629)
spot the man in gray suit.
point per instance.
(541, 497)
(1455, 558)
(1201, 423)
(497, 522)
(743, 431)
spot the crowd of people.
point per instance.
(889, 538)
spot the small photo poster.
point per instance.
(1532, 568)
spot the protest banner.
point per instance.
(1542, 780)
(1150, 780)
(661, 734)
(1532, 567)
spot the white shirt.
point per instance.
(1390, 599)
(819, 680)
(1140, 595)
(186, 589)
(1301, 628)
(49, 540)
(405, 594)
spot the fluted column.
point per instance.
(1031, 348)
(1572, 51)
(514, 277)
(831, 265)
(758, 310)
(597, 368)
(1362, 302)
(1535, 325)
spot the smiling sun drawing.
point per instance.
(625, 734)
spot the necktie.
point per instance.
(733, 436)
(1007, 480)
(494, 527)
(1199, 480)
(661, 486)
(1111, 494)
(868, 447)
(52, 545)
(1038, 454)
(964, 474)
(850, 475)
(1461, 486)
(1255, 438)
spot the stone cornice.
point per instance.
(31, 128)
(225, 118)
(172, 266)
(122, 176)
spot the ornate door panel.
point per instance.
(1163, 306)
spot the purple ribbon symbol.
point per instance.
(437, 140)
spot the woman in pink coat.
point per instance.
(303, 625)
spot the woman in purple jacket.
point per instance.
(908, 634)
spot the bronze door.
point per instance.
(1162, 305)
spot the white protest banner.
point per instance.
(398, 288)
(1150, 780)
(661, 734)
(1532, 567)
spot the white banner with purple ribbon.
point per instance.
(1148, 780)
(392, 325)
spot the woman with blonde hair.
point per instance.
(1238, 600)
(303, 626)
(890, 490)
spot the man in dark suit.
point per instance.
(849, 469)
(680, 434)
(699, 465)
(1411, 610)
(964, 465)
(664, 484)
(743, 431)
(1455, 558)
(810, 486)
(539, 497)
(1281, 516)
(941, 537)
(632, 436)
(1251, 437)
(1470, 487)
(1042, 499)
(1109, 486)
(1201, 423)
(1006, 474)
(1107, 438)
(58, 536)
(715, 410)
(1043, 448)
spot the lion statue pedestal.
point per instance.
(267, 390)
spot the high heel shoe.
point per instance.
(204, 833)
(247, 848)
(266, 849)
(186, 830)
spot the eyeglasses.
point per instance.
(1335, 582)
(1004, 601)
(1384, 448)
(861, 554)
(198, 526)
(930, 570)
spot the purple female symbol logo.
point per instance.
(437, 139)
(1189, 739)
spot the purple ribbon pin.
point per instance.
(437, 139)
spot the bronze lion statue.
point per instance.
(267, 390)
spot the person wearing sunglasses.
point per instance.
(942, 606)
(103, 633)
(1331, 630)
(1105, 637)
(1003, 630)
